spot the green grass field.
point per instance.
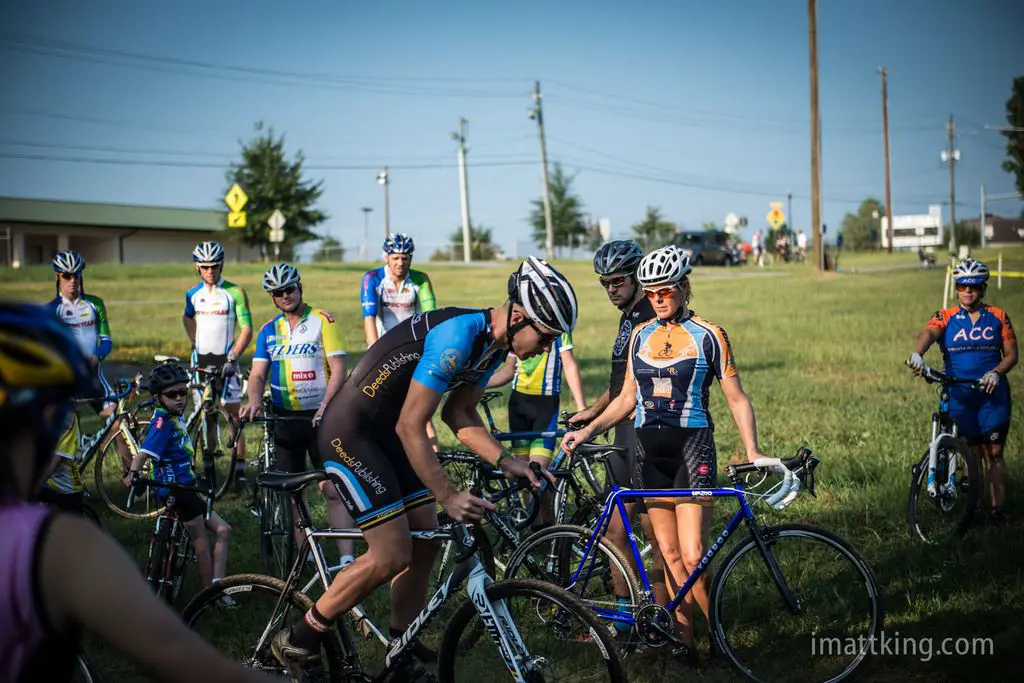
(820, 355)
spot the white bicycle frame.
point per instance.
(933, 459)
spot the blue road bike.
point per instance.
(790, 603)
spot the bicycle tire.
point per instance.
(208, 602)
(156, 564)
(566, 537)
(116, 499)
(277, 541)
(919, 492)
(85, 672)
(223, 480)
(544, 597)
(790, 645)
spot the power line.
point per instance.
(64, 50)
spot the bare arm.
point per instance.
(461, 416)
(190, 328)
(504, 374)
(257, 382)
(336, 364)
(742, 414)
(370, 330)
(420, 405)
(572, 378)
(106, 595)
(1009, 357)
(928, 336)
(618, 410)
(244, 337)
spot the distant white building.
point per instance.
(915, 230)
(33, 230)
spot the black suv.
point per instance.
(708, 247)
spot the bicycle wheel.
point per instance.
(563, 639)
(948, 514)
(109, 472)
(277, 539)
(85, 672)
(212, 456)
(840, 607)
(553, 555)
(242, 627)
(157, 568)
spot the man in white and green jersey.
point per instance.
(214, 310)
(394, 292)
(85, 315)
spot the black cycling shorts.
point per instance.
(367, 462)
(677, 457)
(293, 439)
(530, 413)
(622, 468)
(187, 504)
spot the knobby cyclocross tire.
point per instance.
(277, 539)
(948, 521)
(777, 653)
(114, 493)
(156, 565)
(221, 420)
(548, 609)
(223, 626)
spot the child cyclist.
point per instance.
(170, 447)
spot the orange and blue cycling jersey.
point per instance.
(674, 362)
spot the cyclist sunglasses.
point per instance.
(285, 290)
(663, 293)
(614, 282)
(68, 276)
(964, 288)
(175, 395)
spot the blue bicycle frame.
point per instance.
(615, 503)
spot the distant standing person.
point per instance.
(801, 245)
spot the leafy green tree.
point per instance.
(566, 212)
(330, 249)
(481, 245)
(710, 226)
(273, 182)
(1015, 137)
(860, 230)
(654, 231)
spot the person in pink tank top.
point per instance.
(60, 575)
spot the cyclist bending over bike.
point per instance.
(672, 362)
(302, 352)
(977, 342)
(388, 474)
(170, 447)
(60, 575)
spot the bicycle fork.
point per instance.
(933, 460)
(499, 624)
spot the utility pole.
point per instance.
(537, 113)
(951, 155)
(366, 232)
(885, 135)
(812, 15)
(385, 180)
(460, 137)
(981, 223)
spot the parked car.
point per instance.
(708, 247)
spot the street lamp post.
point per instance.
(384, 180)
(366, 232)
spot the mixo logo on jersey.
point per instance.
(303, 375)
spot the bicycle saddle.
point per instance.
(289, 482)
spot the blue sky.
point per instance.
(697, 108)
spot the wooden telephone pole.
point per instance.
(812, 15)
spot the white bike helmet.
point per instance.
(970, 271)
(208, 252)
(668, 264)
(280, 276)
(68, 262)
(546, 295)
(399, 243)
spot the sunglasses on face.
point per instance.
(663, 293)
(286, 290)
(613, 282)
(212, 267)
(965, 288)
(175, 395)
(68, 276)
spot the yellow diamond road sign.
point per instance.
(775, 217)
(236, 198)
(236, 219)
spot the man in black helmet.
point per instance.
(615, 264)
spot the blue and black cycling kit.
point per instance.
(169, 446)
(441, 350)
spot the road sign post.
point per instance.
(236, 199)
(276, 223)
